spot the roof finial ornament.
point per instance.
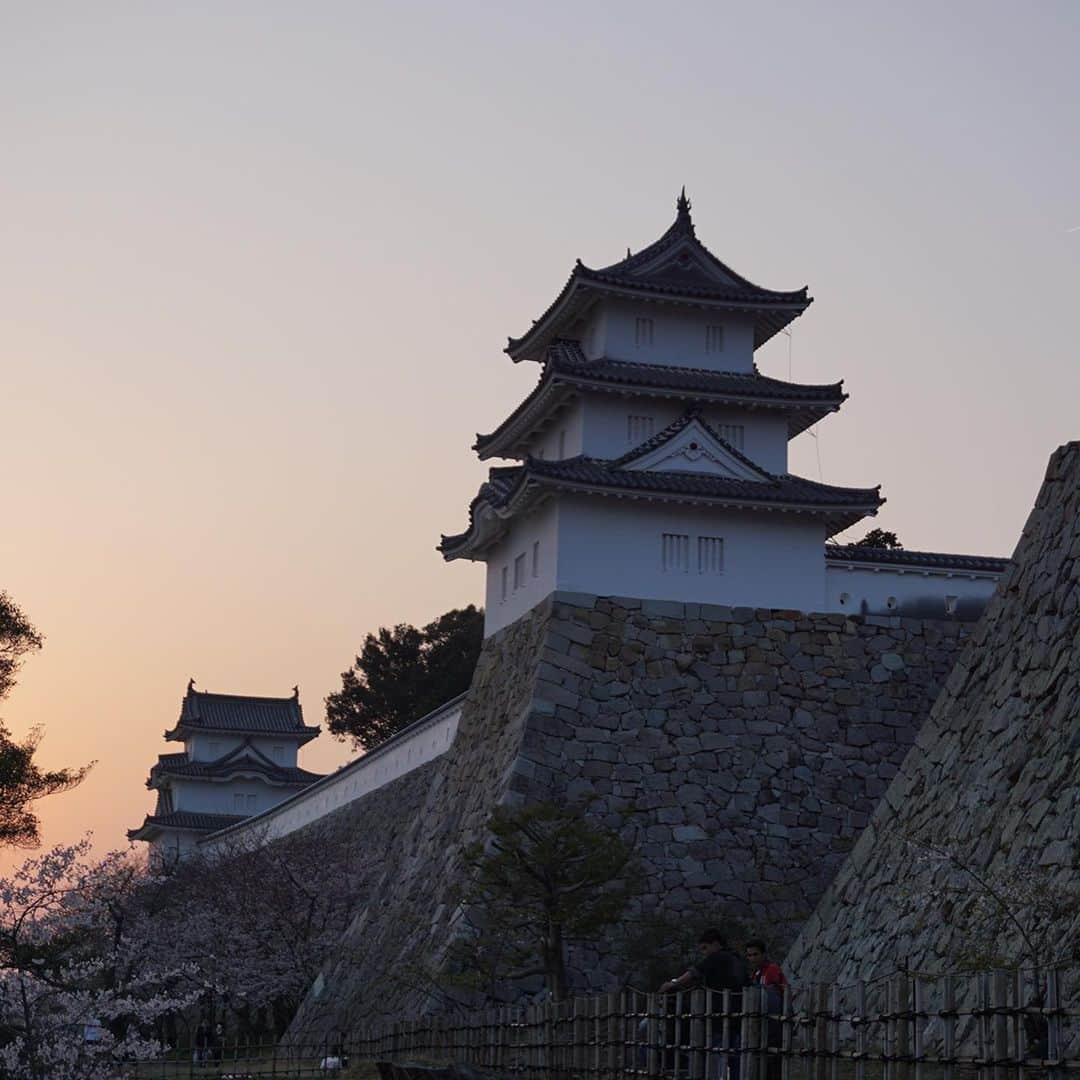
(682, 205)
(191, 684)
(296, 692)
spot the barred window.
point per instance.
(710, 555)
(643, 331)
(675, 553)
(732, 434)
(714, 339)
(638, 429)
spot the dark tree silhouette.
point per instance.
(547, 876)
(879, 538)
(402, 673)
(22, 782)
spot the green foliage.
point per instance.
(22, 782)
(548, 876)
(879, 538)
(403, 673)
(17, 638)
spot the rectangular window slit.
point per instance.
(710, 555)
(714, 339)
(643, 331)
(675, 553)
(638, 429)
(536, 558)
(732, 434)
(519, 571)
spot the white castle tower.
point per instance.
(239, 760)
(652, 458)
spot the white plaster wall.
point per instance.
(207, 747)
(905, 591)
(539, 527)
(765, 435)
(612, 547)
(170, 847)
(425, 740)
(217, 797)
(678, 336)
(565, 434)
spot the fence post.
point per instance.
(983, 1024)
(903, 1027)
(888, 1033)
(1001, 1023)
(861, 1020)
(764, 1022)
(918, 1013)
(1053, 1019)
(821, 1031)
(787, 1025)
(696, 1041)
(652, 1033)
(834, 1032)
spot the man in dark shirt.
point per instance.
(718, 969)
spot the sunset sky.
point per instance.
(260, 261)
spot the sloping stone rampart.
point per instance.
(747, 749)
(993, 779)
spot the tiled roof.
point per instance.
(781, 489)
(185, 819)
(840, 507)
(238, 714)
(937, 560)
(568, 367)
(690, 272)
(567, 357)
(229, 766)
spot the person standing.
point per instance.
(202, 1042)
(767, 974)
(718, 969)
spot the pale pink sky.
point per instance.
(260, 260)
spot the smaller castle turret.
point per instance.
(239, 759)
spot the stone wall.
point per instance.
(993, 780)
(746, 748)
(750, 746)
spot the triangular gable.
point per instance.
(246, 752)
(686, 263)
(690, 445)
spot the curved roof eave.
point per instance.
(773, 312)
(470, 545)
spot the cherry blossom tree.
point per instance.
(82, 984)
(259, 921)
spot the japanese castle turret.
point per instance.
(651, 459)
(239, 759)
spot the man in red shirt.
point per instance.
(764, 972)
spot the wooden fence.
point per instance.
(990, 1026)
